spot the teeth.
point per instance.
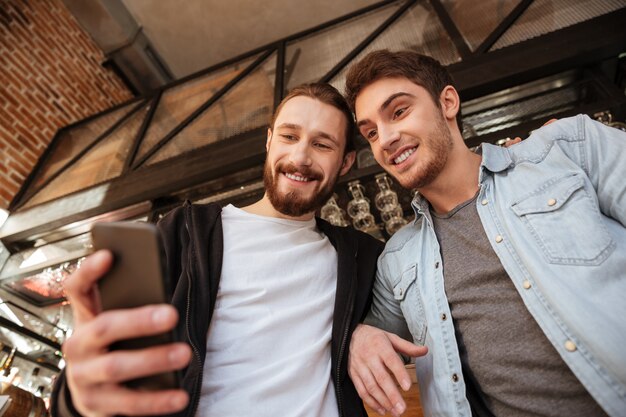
(404, 156)
(296, 177)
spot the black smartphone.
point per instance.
(135, 279)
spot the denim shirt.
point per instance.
(554, 210)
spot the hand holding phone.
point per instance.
(94, 374)
(135, 279)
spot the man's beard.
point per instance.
(291, 203)
(440, 142)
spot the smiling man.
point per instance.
(513, 273)
(268, 298)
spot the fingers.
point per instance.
(382, 387)
(115, 325)
(80, 287)
(116, 400)
(365, 396)
(550, 121)
(510, 142)
(374, 367)
(121, 366)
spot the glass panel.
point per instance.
(310, 58)
(31, 321)
(248, 105)
(477, 19)
(418, 29)
(103, 162)
(177, 103)
(50, 254)
(545, 16)
(73, 141)
(44, 287)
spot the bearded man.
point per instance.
(268, 296)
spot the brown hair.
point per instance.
(327, 94)
(420, 69)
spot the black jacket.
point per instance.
(193, 242)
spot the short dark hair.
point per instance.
(327, 94)
(420, 69)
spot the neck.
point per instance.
(457, 182)
(264, 207)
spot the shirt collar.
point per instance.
(494, 159)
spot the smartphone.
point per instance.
(135, 279)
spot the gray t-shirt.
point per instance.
(510, 367)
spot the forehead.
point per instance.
(378, 92)
(313, 115)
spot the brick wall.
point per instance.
(50, 76)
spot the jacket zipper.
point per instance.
(342, 348)
(196, 352)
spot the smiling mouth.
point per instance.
(298, 178)
(403, 156)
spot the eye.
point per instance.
(322, 146)
(371, 134)
(399, 112)
(288, 137)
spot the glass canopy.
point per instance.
(237, 97)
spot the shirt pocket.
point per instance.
(565, 221)
(406, 292)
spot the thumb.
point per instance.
(405, 347)
(81, 286)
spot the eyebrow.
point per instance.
(318, 132)
(289, 126)
(386, 104)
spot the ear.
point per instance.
(450, 102)
(348, 160)
(269, 139)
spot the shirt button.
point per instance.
(526, 284)
(436, 265)
(499, 239)
(570, 346)
(484, 202)
(455, 378)
(443, 317)
(551, 202)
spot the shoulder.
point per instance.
(362, 240)
(186, 213)
(569, 129)
(403, 237)
(566, 134)
(566, 129)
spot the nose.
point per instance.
(388, 136)
(300, 154)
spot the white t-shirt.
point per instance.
(268, 347)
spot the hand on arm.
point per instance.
(374, 367)
(94, 374)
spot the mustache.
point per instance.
(288, 168)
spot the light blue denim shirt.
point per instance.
(554, 209)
